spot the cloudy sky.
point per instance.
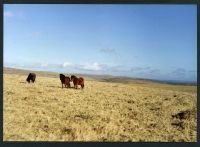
(146, 41)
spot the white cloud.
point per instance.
(8, 14)
(44, 64)
(85, 66)
(17, 14)
(66, 64)
(93, 66)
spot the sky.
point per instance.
(142, 41)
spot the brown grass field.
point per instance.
(102, 111)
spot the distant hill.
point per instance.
(9, 70)
(103, 78)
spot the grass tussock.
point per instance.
(103, 111)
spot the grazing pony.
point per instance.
(77, 81)
(65, 80)
(31, 77)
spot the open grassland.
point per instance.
(103, 111)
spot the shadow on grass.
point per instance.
(64, 87)
(55, 86)
(22, 82)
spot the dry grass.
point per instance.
(43, 111)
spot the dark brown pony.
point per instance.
(65, 80)
(31, 77)
(77, 81)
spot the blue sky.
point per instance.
(146, 41)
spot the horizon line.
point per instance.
(123, 76)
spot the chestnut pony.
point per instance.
(77, 81)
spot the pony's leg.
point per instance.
(82, 86)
